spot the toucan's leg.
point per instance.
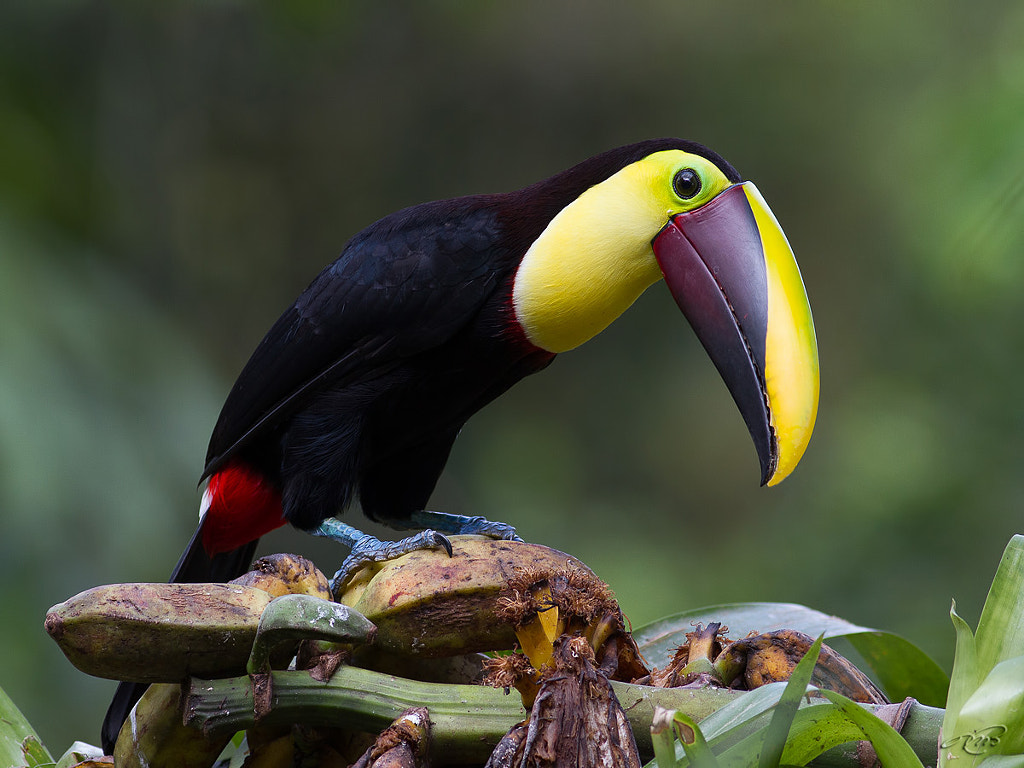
(369, 549)
(460, 524)
(405, 482)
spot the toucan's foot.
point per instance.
(368, 549)
(462, 525)
(372, 550)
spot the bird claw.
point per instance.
(500, 531)
(461, 525)
(369, 550)
(439, 540)
(481, 526)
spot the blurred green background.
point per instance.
(172, 175)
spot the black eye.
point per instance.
(686, 183)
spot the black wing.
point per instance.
(405, 284)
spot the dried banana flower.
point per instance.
(575, 719)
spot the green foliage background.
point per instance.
(173, 174)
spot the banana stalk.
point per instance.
(467, 721)
(291, 618)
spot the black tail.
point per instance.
(195, 566)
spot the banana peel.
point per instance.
(173, 630)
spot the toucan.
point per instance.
(360, 388)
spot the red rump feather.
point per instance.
(239, 506)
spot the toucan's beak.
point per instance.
(732, 272)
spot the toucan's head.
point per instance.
(673, 210)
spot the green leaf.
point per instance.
(1000, 634)
(814, 730)
(1001, 761)
(663, 738)
(966, 674)
(235, 753)
(20, 747)
(892, 749)
(782, 718)
(900, 667)
(997, 707)
(693, 750)
(694, 744)
(742, 714)
(985, 709)
(740, 719)
(817, 729)
(34, 753)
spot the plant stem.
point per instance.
(467, 720)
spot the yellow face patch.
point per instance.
(594, 259)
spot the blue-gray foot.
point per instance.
(462, 525)
(366, 549)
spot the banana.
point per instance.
(278, 753)
(162, 633)
(158, 633)
(155, 737)
(431, 605)
(286, 575)
(771, 657)
(760, 659)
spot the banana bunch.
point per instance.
(425, 616)
(426, 605)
